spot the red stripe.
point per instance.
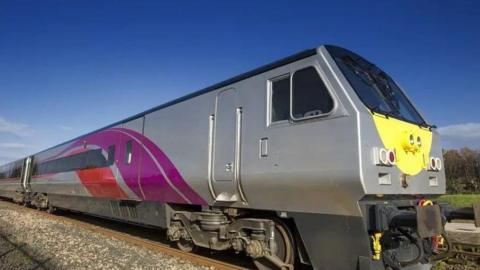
(101, 182)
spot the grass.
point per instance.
(460, 200)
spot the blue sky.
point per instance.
(69, 67)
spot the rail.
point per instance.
(138, 241)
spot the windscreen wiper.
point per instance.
(378, 79)
(355, 66)
(388, 84)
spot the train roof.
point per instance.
(284, 61)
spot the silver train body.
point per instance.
(292, 146)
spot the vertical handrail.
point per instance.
(26, 174)
(238, 145)
(211, 126)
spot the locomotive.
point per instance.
(318, 160)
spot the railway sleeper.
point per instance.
(268, 242)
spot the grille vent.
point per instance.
(123, 209)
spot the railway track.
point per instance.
(137, 235)
(119, 231)
(459, 255)
(465, 251)
(463, 243)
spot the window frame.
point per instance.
(327, 87)
(270, 99)
(111, 155)
(80, 161)
(128, 152)
(292, 119)
(333, 54)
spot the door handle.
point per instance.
(263, 147)
(228, 167)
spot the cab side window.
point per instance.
(111, 155)
(302, 95)
(280, 99)
(310, 97)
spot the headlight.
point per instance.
(435, 164)
(384, 157)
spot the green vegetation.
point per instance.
(460, 200)
(462, 169)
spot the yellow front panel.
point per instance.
(397, 135)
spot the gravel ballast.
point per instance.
(29, 240)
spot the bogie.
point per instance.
(268, 241)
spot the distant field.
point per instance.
(460, 200)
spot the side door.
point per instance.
(130, 155)
(225, 180)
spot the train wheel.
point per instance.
(285, 250)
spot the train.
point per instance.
(316, 161)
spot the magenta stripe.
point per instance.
(151, 180)
(142, 175)
(170, 170)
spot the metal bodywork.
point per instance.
(218, 148)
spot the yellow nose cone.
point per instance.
(411, 143)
